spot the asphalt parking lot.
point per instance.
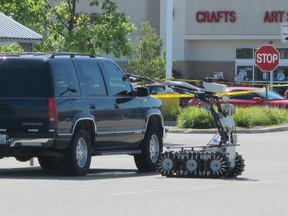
(114, 187)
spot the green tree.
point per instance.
(65, 30)
(14, 47)
(147, 58)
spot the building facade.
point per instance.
(218, 37)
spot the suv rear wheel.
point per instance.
(151, 148)
(77, 158)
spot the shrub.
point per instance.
(195, 117)
(260, 116)
(172, 114)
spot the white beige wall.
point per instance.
(220, 50)
(249, 18)
(178, 27)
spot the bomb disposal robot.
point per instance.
(217, 159)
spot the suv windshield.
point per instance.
(22, 78)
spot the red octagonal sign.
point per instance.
(267, 58)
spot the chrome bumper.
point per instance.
(41, 142)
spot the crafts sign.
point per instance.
(267, 58)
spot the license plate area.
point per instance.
(3, 139)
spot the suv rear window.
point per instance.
(23, 78)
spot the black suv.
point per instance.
(65, 108)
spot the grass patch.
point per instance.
(195, 117)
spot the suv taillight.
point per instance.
(52, 109)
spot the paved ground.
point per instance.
(114, 187)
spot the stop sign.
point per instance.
(267, 58)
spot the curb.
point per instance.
(171, 126)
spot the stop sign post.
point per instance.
(267, 59)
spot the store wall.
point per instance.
(221, 50)
(153, 14)
(178, 28)
(135, 9)
(199, 70)
(202, 58)
(245, 18)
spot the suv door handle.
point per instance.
(92, 106)
(116, 106)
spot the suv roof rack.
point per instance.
(71, 55)
(21, 53)
(50, 55)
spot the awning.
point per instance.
(12, 31)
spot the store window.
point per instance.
(244, 53)
(244, 73)
(281, 73)
(283, 53)
(278, 75)
(259, 76)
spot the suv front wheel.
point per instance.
(77, 158)
(151, 148)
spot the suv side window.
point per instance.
(64, 77)
(93, 78)
(115, 79)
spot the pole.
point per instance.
(169, 39)
(271, 80)
(266, 99)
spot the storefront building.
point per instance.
(219, 37)
(222, 36)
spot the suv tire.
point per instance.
(151, 148)
(77, 158)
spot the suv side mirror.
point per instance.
(142, 92)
